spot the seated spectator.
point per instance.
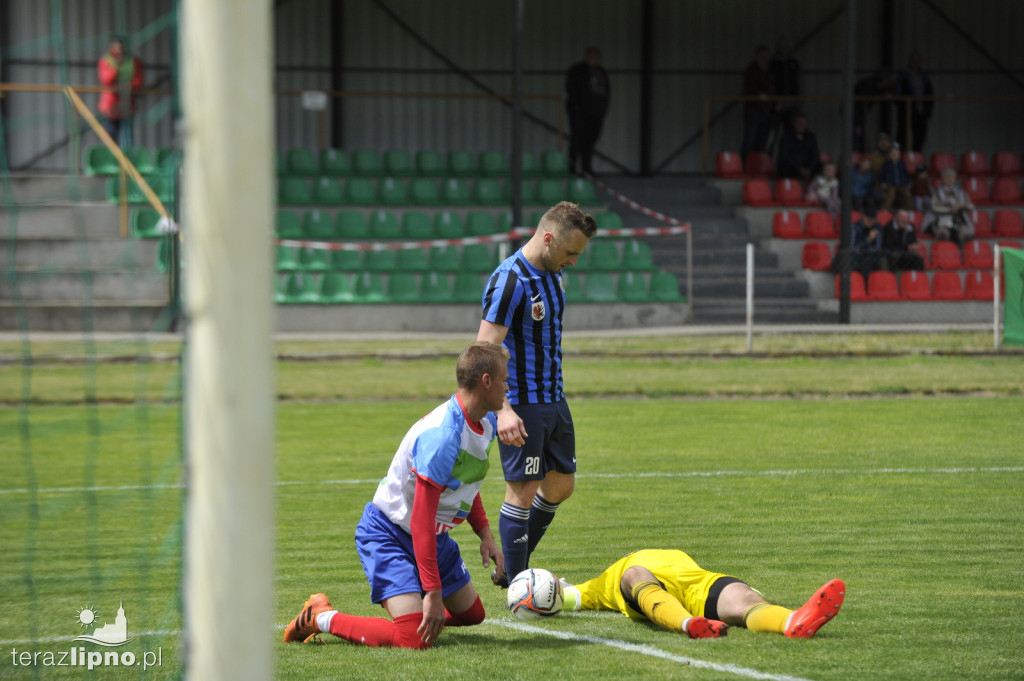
(949, 217)
(862, 185)
(894, 181)
(921, 189)
(799, 157)
(824, 189)
(880, 154)
(898, 235)
(867, 250)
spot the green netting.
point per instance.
(91, 466)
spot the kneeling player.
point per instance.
(413, 565)
(670, 589)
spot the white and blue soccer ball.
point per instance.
(534, 593)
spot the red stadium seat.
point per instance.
(858, 294)
(758, 193)
(882, 286)
(883, 216)
(816, 256)
(946, 256)
(978, 255)
(819, 225)
(978, 191)
(1008, 223)
(1003, 243)
(912, 159)
(982, 224)
(1006, 192)
(786, 225)
(979, 285)
(728, 165)
(915, 286)
(973, 164)
(947, 286)
(790, 193)
(916, 219)
(940, 161)
(1006, 164)
(759, 164)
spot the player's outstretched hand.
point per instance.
(511, 429)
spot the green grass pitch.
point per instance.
(916, 501)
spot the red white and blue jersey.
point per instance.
(449, 450)
(529, 302)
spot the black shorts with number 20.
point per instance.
(550, 443)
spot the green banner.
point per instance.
(1013, 317)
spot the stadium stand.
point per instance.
(786, 225)
(947, 286)
(882, 286)
(759, 164)
(915, 286)
(729, 165)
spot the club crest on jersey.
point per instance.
(537, 311)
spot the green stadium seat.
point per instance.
(301, 288)
(327, 191)
(279, 286)
(288, 226)
(287, 259)
(163, 254)
(300, 162)
(582, 191)
(141, 159)
(573, 286)
(479, 223)
(531, 167)
(554, 164)
(403, 288)
(392, 192)
(412, 259)
(162, 186)
(398, 163)
(493, 163)
(423, 191)
(665, 287)
(384, 225)
(487, 192)
(167, 160)
(416, 225)
(100, 161)
(468, 287)
(529, 195)
(583, 262)
(461, 164)
(335, 288)
(445, 259)
(144, 221)
(477, 258)
(367, 162)
(369, 288)
(550, 192)
(599, 288)
(505, 222)
(334, 162)
(604, 256)
(636, 257)
(430, 163)
(316, 224)
(314, 259)
(608, 220)
(351, 225)
(294, 191)
(435, 288)
(455, 192)
(448, 225)
(631, 287)
(359, 191)
(380, 261)
(346, 261)
(535, 218)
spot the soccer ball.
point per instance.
(534, 593)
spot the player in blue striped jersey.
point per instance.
(522, 309)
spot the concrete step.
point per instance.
(84, 286)
(126, 253)
(62, 220)
(782, 286)
(29, 188)
(136, 316)
(712, 310)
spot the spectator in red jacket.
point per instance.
(120, 74)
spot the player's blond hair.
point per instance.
(479, 358)
(564, 217)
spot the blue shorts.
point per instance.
(385, 550)
(550, 443)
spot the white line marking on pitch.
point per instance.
(650, 651)
(689, 474)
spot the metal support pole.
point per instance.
(750, 297)
(517, 114)
(997, 275)
(846, 157)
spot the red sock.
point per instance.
(377, 631)
(474, 614)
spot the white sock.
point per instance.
(571, 596)
(323, 620)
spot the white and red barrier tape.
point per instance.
(649, 212)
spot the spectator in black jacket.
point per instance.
(799, 157)
(588, 92)
(898, 236)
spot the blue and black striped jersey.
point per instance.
(529, 302)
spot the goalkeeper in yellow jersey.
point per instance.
(670, 589)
